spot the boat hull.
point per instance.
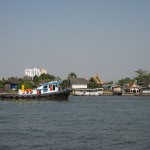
(48, 96)
(117, 93)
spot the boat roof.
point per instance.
(52, 82)
(86, 89)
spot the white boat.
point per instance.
(88, 92)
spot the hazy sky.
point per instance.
(107, 37)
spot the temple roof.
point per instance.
(97, 79)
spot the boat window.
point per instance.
(99, 89)
(45, 86)
(45, 90)
(53, 87)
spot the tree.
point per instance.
(47, 77)
(72, 75)
(141, 75)
(65, 83)
(1, 84)
(124, 81)
(110, 82)
(92, 84)
(36, 79)
(27, 84)
(58, 78)
(43, 76)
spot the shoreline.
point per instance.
(104, 94)
(126, 94)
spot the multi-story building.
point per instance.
(34, 71)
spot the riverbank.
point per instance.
(106, 93)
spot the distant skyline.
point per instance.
(106, 37)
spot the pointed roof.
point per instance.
(132, 85)
(97, 79)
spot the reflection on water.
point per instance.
(102, 122)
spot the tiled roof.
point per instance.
(78, 81)
(12, 80)
(132, 85)
(146, 83)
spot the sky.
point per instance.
(110, 38)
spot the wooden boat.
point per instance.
(117, 90)
(47, 91)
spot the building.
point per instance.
(11, 84)
(146, 86)
(132, 88)
(34, 71)
(78, 83)
(98, 80)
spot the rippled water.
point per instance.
(82, 123)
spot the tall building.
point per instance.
(34, 71)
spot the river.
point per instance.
(82, 123)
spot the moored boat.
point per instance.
(47, 91)
(117, 90)
(88, 92)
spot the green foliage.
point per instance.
(43, 78)
(72, 75)
(36, 79)
(65, 83)
(27, 84)
(33, 83)
(1, 84)
(124, 81)
(58, 78)
(110, 82)
(92, 84)
(141, 75)
(47, 77)
(21, 80)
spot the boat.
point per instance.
(117, 90)
(47, 91)
(88, 92)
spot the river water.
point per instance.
(82, 123)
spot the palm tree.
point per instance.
(72, 75)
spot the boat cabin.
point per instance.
(49, 87)
(44, 88)
(88, 92)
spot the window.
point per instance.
(53, 87)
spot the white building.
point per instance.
(34, 71)
(78, 83)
